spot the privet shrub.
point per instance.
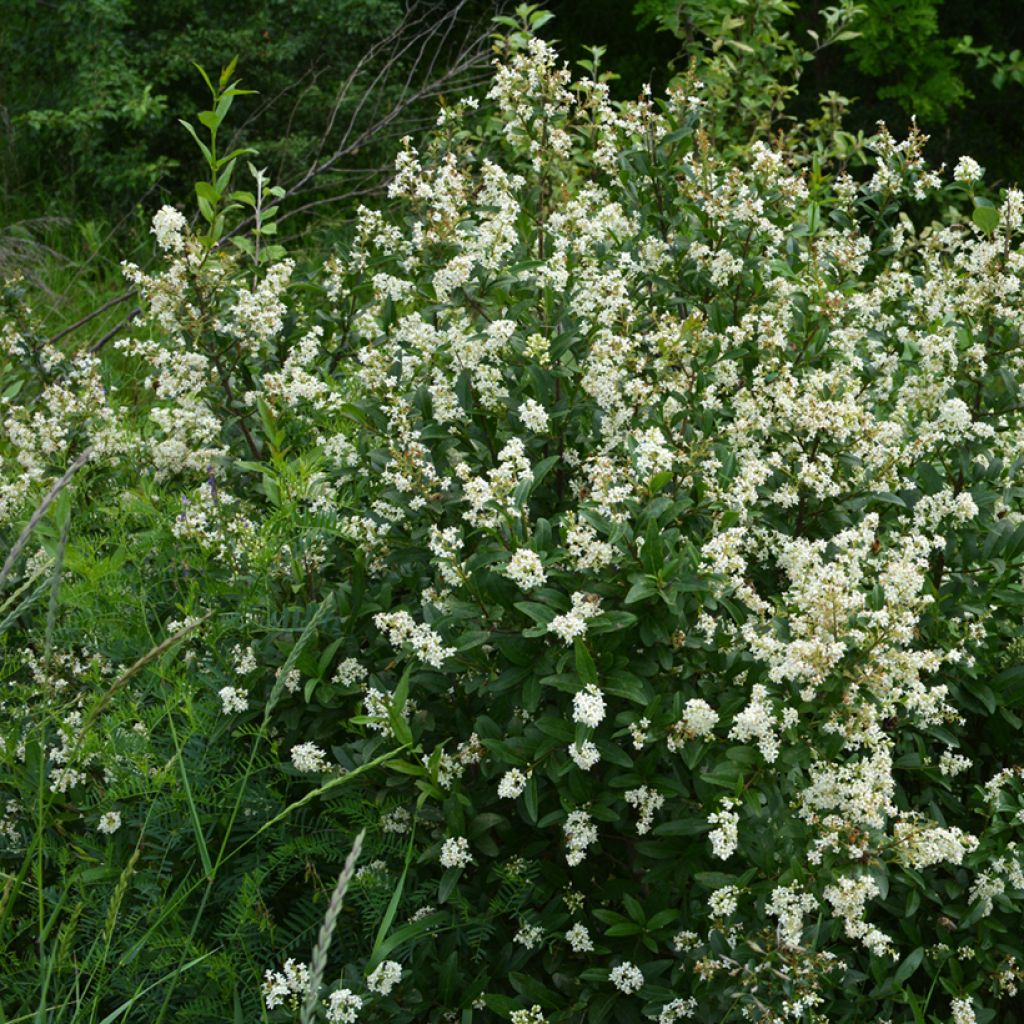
(631, 542)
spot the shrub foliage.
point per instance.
(628, 540)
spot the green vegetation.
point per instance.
(505, 547)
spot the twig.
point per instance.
(134, 668)
(116, 301)
(19, 544)
(115, 329)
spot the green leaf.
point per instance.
(540, 613)
(629, 928)
(909, 965)
(206, 191)
(585, 667)
(682, 827)
(202, 146)
(399, 726)
(530, 799)
(448, 882)
(986, 217)
(644, 588)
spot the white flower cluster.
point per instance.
(455, 853)
(921, 844)
(384, 977)
(585, 755)
(350, 672)
(401, 629)
(534, 416)
(378, 705)
(678, 1009)
(968, 172)
(308, 757)
(789, 904)
(343, 1006)
(526, 570)
(848, 898)
(529, 935)
(398, 821)
(488, 497)
(646, 801)
(534, 1015)
(951, 764)
(725, 836)
(512, 784)
(757, 721)
(723, 901)
(588, 708)
(586, 549)
(168, 226)
(110, 822)
(289, 983)
(579, 939)
(627, 978)
(233, 699)
(573, 623)
(963, 1011)
(698, 720)
(580, 832)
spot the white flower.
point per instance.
(110, 822)
(292, 681)
(384, 977)
(279, 985)
(952, 764)
(350, 672)
(627, 978)
(397, 821)
(848, 898)
(526, 569)
(245, 660)
(588, 706)
(308, 757)
(725, 837)
(529, 936)
(723, 902)
(573, 623)
(578, 938)
(967, 171)
(455, 853)
(534, 416)
(646, 801)
(677, 1010)
(638, 730)
(343, 1007)
(585, 754)
(963, 1011)
(168, 224)
(512, 784)
(402, 629)
(789, 904)
(757, 721)
(579, 834)
(698, 719)
(532, 1016)
(233, 699)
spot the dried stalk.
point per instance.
(318, 961)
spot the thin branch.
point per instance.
(96, 346)
(19, 544)
(116, 301)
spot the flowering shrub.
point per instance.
(630, 541)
